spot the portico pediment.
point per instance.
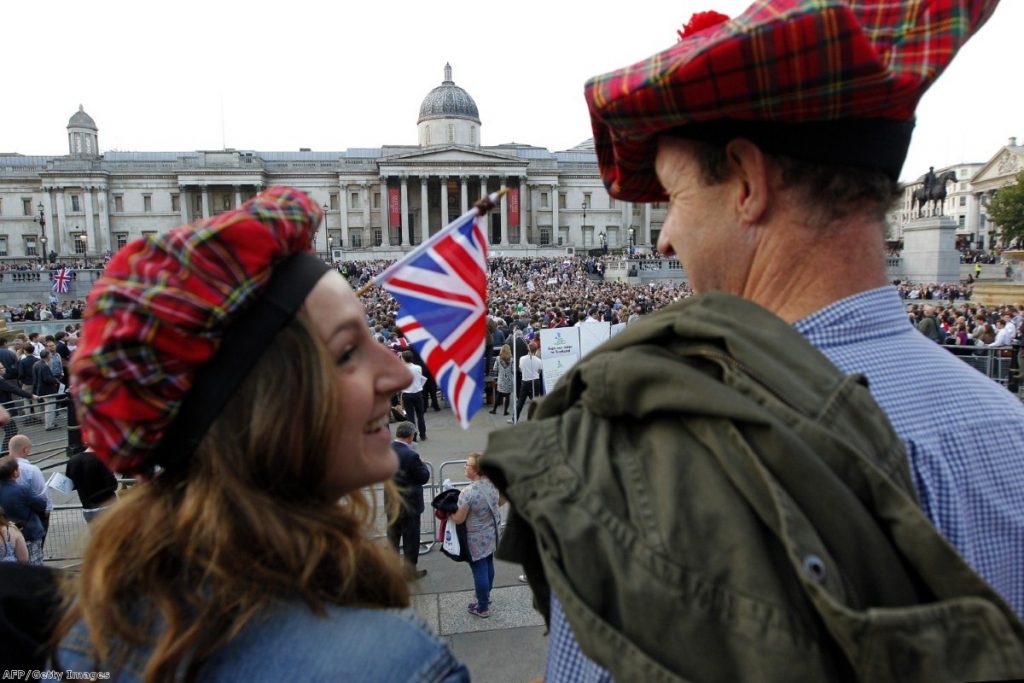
(451, 154)
(1001, 168)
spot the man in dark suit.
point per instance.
(411, 476)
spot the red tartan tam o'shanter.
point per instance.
(176, 322)
(827, 81)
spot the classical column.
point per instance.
(483, 186)
(183, 204)
(533, 216)
(368, 197)
(645, 232)
(444, 200)
(504, 212)
(103, 209)
(406, 235)
(465, 193)
(626, 221)
(522, 210)
(51, 221)
(973, 213)
(555, 232)
(343, 215)
(206, 201)
(62, 220)
(91, 238)
(424, 211)
(385, 213)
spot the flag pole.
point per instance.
(480, 208)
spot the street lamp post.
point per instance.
(632, 240)
(584, 228)
(41, 219)
(330, 248)
(326, 209)
(604, 242)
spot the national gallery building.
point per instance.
(378, 201)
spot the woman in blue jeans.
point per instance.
(478, 508)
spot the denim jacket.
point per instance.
(291, 643)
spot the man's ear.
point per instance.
(750, 174)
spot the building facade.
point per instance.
(378, 201)
(966, 197)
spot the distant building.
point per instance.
(377, 200)
(966, 197)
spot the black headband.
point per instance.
(245, 340)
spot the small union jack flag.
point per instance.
(441, 288)
(61, 281)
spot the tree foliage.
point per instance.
(1007, 210)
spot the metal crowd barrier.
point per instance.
(999, 363)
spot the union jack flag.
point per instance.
(61, 281)
(441, 288)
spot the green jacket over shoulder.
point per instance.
(712, 500)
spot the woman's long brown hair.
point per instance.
(184, 561)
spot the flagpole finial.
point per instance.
(485, 204)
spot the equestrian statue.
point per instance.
(932, 192)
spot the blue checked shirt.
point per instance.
(964, 436)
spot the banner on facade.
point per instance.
(394, 207)
(513, 206)
(559, 351)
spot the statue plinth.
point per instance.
(929, 250)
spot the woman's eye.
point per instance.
(346, 355)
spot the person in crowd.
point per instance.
(532, 386)
(46, 387)
(412, 474)
(412, 395)
(686, 536)
(26, 376)
(478, 508)
(12, 543)
(8, 359)
(31, 476)
(7, 391)
(23, 507)
(505, 380)
(245, 546)
(95, 484)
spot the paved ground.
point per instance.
(507, 647)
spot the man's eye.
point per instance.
(346, 355)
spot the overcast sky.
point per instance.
(268, 76)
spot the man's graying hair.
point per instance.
(405, 429)
(832, 191)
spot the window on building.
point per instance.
(147, 203)
(472, 135)
(121, 239)
(378, 238)
(149, 234)
(543, 200)
(376, 200)
(1, 206)
(76, 205)
(426, 136)
(963, 186)
(26, 206)
(30, 245)
(545, 235)
(3, 245)
(586, 200)
(197, 204)
(118, 203)
(561, 200)
(611, 202)
(78, 239)
(981, 221)
(963, 200)
(354, 200)
(176, 203)
(357, 238)
(451, 132)
(658, 205)
(334, 201)
(962, 221)
(225, 202)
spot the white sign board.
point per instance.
(592, 335)
(559, 351)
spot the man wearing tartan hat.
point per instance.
(777, 137)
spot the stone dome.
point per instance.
(448, 101)
(81, 120)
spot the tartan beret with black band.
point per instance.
(828, 81)
(177, 321)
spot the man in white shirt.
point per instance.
(31, 476)
(412, 395)
(529, 369)
(1004, 333)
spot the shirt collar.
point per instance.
(871, 313)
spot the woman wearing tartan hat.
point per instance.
(235, 374)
